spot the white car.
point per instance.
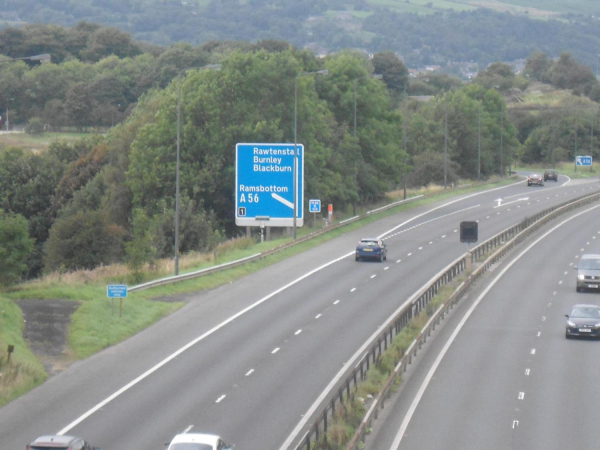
(198, 441)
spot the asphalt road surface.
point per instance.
(251, 360)
(501, 374)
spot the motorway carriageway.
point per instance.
(500, 374)
(251, 359)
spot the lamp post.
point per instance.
(376, 77)
(479, 147)
(211, 67)
(295, 172)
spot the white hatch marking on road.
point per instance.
(539, 334)
(300, 331)
(336, 302)
(188, 429)
(533, 351)
(443, 236)
(527, 372)
(421, 391)
(373, 276)
(409, 254)
(543, 318)
(220, 398)
(318, 315)
(560, 282)
(515, 424)
(250, 372)
(352, 290)
(275, 351)
(521, 395)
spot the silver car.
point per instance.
(588, 272)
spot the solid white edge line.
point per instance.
(420, 393)
(240, 313)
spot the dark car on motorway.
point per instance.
(584, 320)
(60, 443)
(588, 272)
(550, 175)
(371, 248)
(535, 178)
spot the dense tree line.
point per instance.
(483, 35)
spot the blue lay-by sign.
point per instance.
(264, 185)
(314, 206)
(583, 160)
(116, 291)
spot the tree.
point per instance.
(395, 73)
(35, 126)
(15, 247)
(79, 105)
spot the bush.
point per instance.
(15, 247)
(35, 126)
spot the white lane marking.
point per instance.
(583, 249)
(420, 248)
(549, 304)
(300, 331)
(487, 217)
(398, 261)
(443, 236)
(554, 293)
(508, 209)
(430, 242)
(250, 372)
(409, 254)
(352, 290)
(515, 424)
(336, 302)
(386, 268)
(194, 342)
(527, 372)
(560, 282)
(521, 395)
(456, 231)
(318, 315)
(279, 198)
(188, 429)
(565, 273)
(373, 276)
(429, 376)
(587, 243)
(220, 398)
(570, 264)
(533, 351)
(275, 351)
(543, 318)
(539, 334)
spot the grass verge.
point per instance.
(563, 168)
(94, 327)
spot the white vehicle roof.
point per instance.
(197, 438)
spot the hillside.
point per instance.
(424, 32)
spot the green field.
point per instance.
(37, 143)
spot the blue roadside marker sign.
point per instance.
(314, 206)
(116, 291)
(583, 160)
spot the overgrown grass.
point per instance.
(348, 417)
(563, 168)
(37, 143)
(23, 372)
(94, 326)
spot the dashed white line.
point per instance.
(443, 236)
(336, 302)
(566, 273)
(300, 331)
(560, 282)
(533, 351)
(220, 398)
(275, 351)
(527, 372)
(318, 315)
(409, 254)
(373, 276)
(521, 395)
(420, 248)
(352, 290)
(430, 242)
(386, 268)
(398, 261)
(250, 372)
(539, 333)
(543, 318)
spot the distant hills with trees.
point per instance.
(423, 32)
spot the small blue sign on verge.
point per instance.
(583, 160)
(116, 291)
(314, 206)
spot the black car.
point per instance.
(550, 175)
(584, 321)
(371, 248)
(535, 178)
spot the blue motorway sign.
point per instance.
(314, 206)
(116, 291)
(583, 160)
(264, 185)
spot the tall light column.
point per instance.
(295, 172)
(208, 66)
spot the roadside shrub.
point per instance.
(35, 126)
